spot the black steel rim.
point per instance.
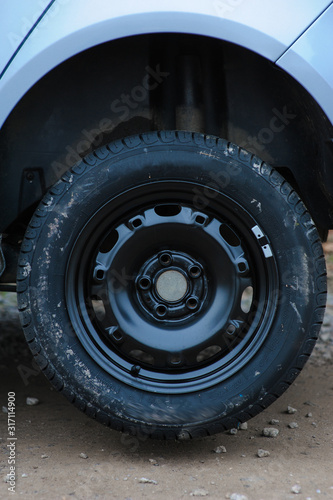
(168, 296)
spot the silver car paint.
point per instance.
(310, 61)
(71, 26)
(17, 19)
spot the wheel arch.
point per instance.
(53, 39)
(276, 99)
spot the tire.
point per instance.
(171, 283)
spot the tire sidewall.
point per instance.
(241, 180)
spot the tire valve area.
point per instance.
(135, 370)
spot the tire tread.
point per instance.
(111, 151)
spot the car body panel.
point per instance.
(72, 26)
(304, 63)
(15, 28)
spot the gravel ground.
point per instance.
(283, 453)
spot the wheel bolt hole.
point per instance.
(195, 271)
(161, 311)
(144, 283)
(192, 303)
(165, 259)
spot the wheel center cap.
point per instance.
(171, 285)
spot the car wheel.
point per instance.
(171, 282)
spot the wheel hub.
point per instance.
(171, 286)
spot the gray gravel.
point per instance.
(145, 480)
(270, 432)
(263, 453)
(32, 401)
(220, 449)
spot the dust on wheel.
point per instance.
(172, 281)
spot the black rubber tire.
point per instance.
(288, 231)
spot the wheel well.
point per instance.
(163, 81)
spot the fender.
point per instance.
(72, 26)
(20, 20)
(314, 73)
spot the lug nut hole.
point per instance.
(165, 259)
(144, 283)
(192, 303)
(161, 311)
(195, 271)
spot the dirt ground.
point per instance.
(62, 454)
